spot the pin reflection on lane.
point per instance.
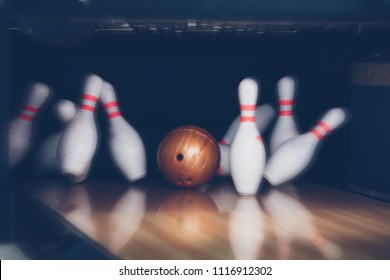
(246, 228)
(291, 221)
(125, 218)
(77, 209)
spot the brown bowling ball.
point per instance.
(188, 156)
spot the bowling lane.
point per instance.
(152, 220)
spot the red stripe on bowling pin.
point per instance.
(30, 109)
(288, 102)
(324, 126)
(25, 117)
(111, 104)
(317, 133)
(259, 139)
(114, 115)
(248, 107)
(90, 98)
(285, 113)
(87, 108)
(247, 119)
(223, 142)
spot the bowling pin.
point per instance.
(246, 229)
(285, 127)
(264, 115)
(294, 155)
(224, 167)
(78, 143)
(47, 156)
(20, 129)
(126, 145)
(247, 153)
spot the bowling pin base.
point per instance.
(135, 178)
(73, 177)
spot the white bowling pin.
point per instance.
(20, 129)
(78, 143)
(246, 229)
(263, 113)
(294, 155)
(125, 143)
(247, 153)
(47, 156)
(285, 127)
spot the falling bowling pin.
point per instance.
(78, 143)
(285, 127)
(126, 145)
(224, 167)
(294, 155)
(20, 129)
(247, 153)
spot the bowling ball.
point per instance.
(188, 218)
(188, 156)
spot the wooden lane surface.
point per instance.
(151, 220)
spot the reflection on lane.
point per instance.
(188, 218)
(76, 208)
(246, 228)
(292, 220)
(125, 218)
(155, 221)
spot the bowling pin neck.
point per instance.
(28, 113)
(92, 88)
(286, 108)
(286, 92)
(248, 113)
(88, 103)
(247, 93)
(112, 109)
(108, 98)
(320, 130)
(331, 120)
(38, 95)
